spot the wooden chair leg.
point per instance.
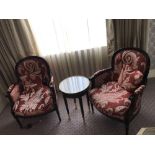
(57, 111)
(92, 107)
(127, 128)
(18, 121)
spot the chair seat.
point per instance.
(111, 99)
(34, 101)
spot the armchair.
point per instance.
(116, 92)
(34, 93)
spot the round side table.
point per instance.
(75, 87)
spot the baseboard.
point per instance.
(151, 73)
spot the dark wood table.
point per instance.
(75, 87)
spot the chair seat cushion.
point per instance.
(34, 101)
(111, 99)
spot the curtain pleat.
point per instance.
(16, 42)
(126, 33)
(84, 62)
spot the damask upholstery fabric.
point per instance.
(111, 99)
(33, 100)
(131, 59)
(32, 71)
(130, 80)
(113, 96)
(36, 97)
(14, 92)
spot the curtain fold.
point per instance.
(84, 62)
(127, 33)
(16, 42)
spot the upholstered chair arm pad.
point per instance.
(11, 87)
(52, 88)
(135, 101)
(100, 77)
(51, 81)
(139, 90)
(14, 92)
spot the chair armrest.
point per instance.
(11, 87)
(51, 81)
(52, 88)
(13, 92)
(100, 77)
(136, 93)
(135, 99)
(139, 90)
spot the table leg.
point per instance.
(66, 104)
(75, 103)
(81, 106)
(87, 96)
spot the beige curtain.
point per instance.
(16, 41)
(126, 33)
(84, 62)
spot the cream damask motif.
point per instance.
(129, 60)
(33, 100)
(36, 97)
(119, 94)
(32, 71)
(130, 80)
(32, 67)
(111, 99)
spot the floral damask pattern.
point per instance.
(34, 100)
(111, 99)
(32, 71)
(14, 91)
(118, 93)
(130, 80)
(131, 58)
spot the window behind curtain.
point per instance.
(56, 36)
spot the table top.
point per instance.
(74, 84)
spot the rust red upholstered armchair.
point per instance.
(116, 92)
(34, 93)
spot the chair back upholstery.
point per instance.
(33, 70)
(132, 59)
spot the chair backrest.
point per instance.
(33, 69)
(135, 58)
